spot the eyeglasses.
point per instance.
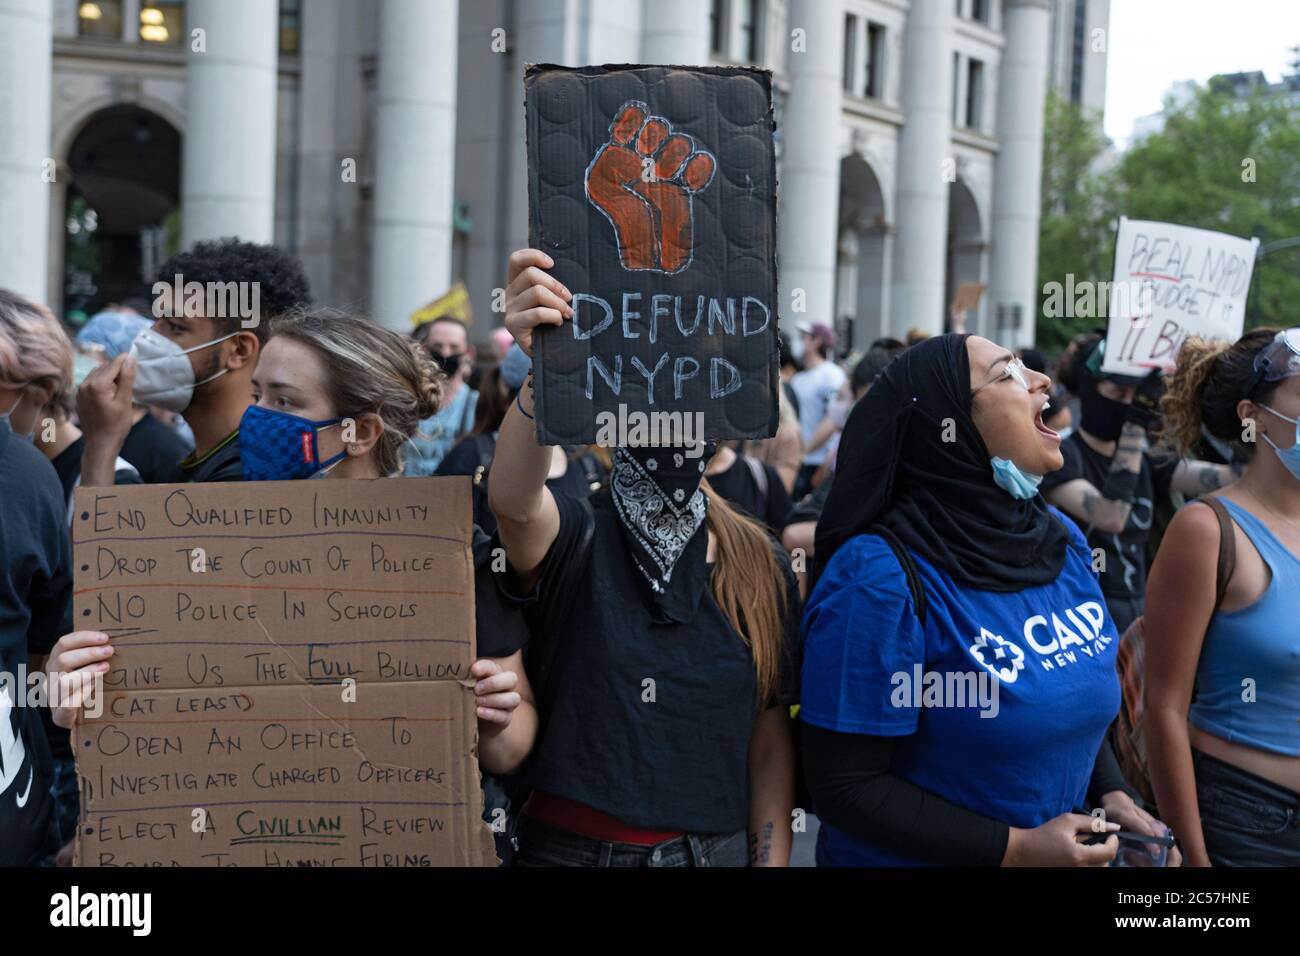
(1281, 359)
(1015, 369)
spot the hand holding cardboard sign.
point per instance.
(494, 690)
(533, 298)
(75, 661)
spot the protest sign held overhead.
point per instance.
(654, 191)
(1171, 282)
(291, 683)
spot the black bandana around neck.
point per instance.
(661, 510)
(937, 496)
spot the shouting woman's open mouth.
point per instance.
(1047, 433)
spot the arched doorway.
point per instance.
(123, 195)
(966, 248)
(861, 288)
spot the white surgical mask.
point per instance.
(163, 373)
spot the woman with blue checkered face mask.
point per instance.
(1222, 688)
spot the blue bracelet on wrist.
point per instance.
(520, 405)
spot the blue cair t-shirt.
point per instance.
(999, 702)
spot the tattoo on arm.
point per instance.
(1129, 451)
(1210, 477)
(760, 844)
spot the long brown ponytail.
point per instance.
(750, 586)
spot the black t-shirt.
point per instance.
(1125, 575)
(499, 625)
(811, 505)
(154, 449)
(67, 464)
(35, 609)
(739, 484)
(672, 755)
(476, 451)
(220, 464)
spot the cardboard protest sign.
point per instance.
(968, 295)
(1171, 282)
(654, 190)
(291, 679)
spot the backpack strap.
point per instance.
(1227, 549)
(910, 571)
(467, 412)
(759, 474)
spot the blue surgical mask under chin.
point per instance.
(1016, 483)
(1290, 457)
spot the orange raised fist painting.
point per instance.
(644, 181)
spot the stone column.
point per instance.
(415, 157)
(26, 167)
(808, 221)
(676, 32)
(925, 168)
(228, 180)
(1022, 87)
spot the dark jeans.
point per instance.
(541, 845)
(1247, 820)
(67, 797)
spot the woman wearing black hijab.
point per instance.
(959, 669)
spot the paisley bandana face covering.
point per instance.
(657, 497)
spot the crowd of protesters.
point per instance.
(1110, 564)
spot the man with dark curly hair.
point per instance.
(211, 307)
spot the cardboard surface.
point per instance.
(968, 296)
(291, 679)
(1171, 282)
(654, 190)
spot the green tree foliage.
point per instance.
(1233, 165)
(1222, 162)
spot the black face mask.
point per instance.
(450, 364)
(1103, 418)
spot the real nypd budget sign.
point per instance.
(653, 189)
